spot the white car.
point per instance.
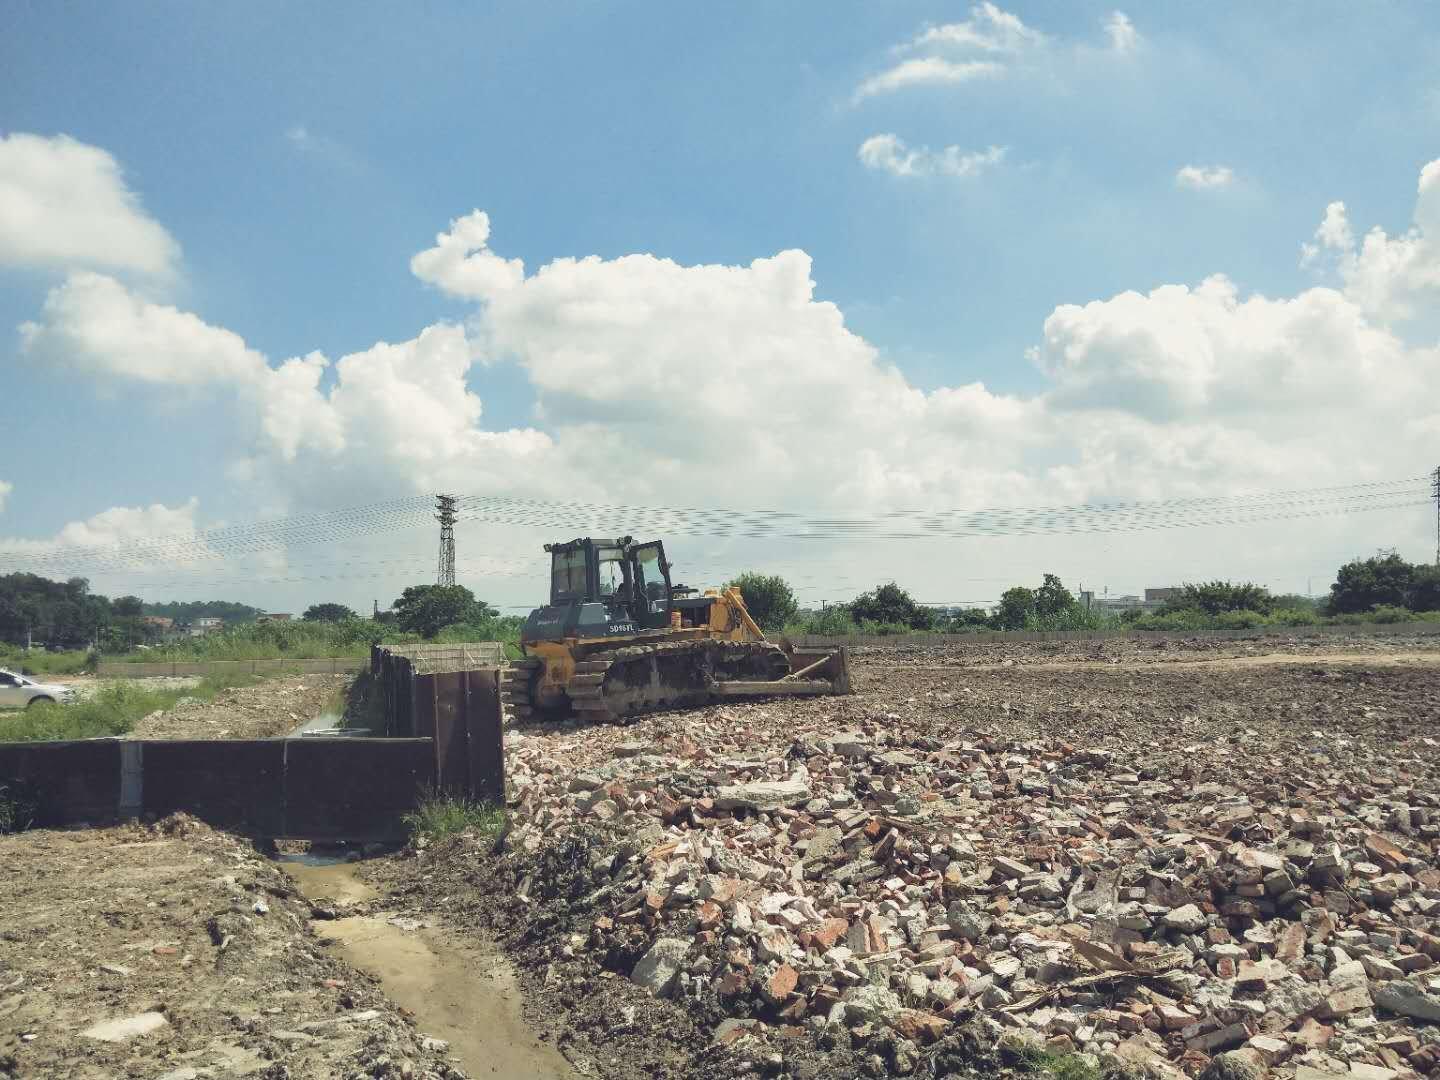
(20, 691)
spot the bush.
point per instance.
(1295, 617)
(1239, 620)
(832, 622)
(1389, 613)
(440, 815)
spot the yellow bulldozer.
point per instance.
(619, 639)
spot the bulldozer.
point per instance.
(619, 639)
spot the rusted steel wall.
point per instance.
(311, 788)
(458, 710)
(76, 782)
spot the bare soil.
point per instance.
(268, 709)
(194, 926)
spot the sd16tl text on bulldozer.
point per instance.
(618, 639)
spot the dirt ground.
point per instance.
(273, 707)
(166, 920)
(201, 939)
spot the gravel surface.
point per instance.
(1222, 868)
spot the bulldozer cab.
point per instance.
(630, 581)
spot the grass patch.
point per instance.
(19, 805)
(440, 815)
(37, 662)
(114, 709)
(1042, 1062)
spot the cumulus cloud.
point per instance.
(1121, 33)
(96, 325)
(118, 539)
(1392, 278)
(462, 264)
(735, 385)
(1204, 177)
(889, 153)
(64, 204)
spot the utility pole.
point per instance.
(445, 514)
(1435, 491)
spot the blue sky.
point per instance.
(301, 156)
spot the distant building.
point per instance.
(207, 625)
(1114, 605)
(1171, 592)
(276, 616)
(160, 622)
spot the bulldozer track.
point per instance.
(619, 685)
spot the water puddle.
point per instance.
(464, 992)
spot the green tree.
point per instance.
(327, 613)
(127, 607)
(1424, 591)
(1017, 608)
(892, 605)
(1052, 599)
(428, 609)
(768, 597)
(1361, 584)
(1217, 597)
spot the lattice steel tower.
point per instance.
(1435, 490)
(445, 514)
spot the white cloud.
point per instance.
(1393, 279)
(980, 47)
(95, 325)
(1204, 177)
(143, 538)
(734, 385)
(462, 264)
(65, 204)
(1121, 32)
(989, 29)
(5, 490)
(920, 70)
(889, 153)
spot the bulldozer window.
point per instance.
(568, 574)
(612, 571)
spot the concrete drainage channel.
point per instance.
(463, 992)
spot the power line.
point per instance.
(217, 545)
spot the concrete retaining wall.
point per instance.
(312, 789)
(989, 637)
(114, 669)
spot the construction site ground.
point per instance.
(274, 706)
(1204, 858)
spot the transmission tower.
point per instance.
(1435, 491)
(445, 514)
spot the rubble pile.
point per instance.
(1254, 900)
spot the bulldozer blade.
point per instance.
(777, 688)
(830, 667)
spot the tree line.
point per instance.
(1381, 588)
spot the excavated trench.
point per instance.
(462, 991)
